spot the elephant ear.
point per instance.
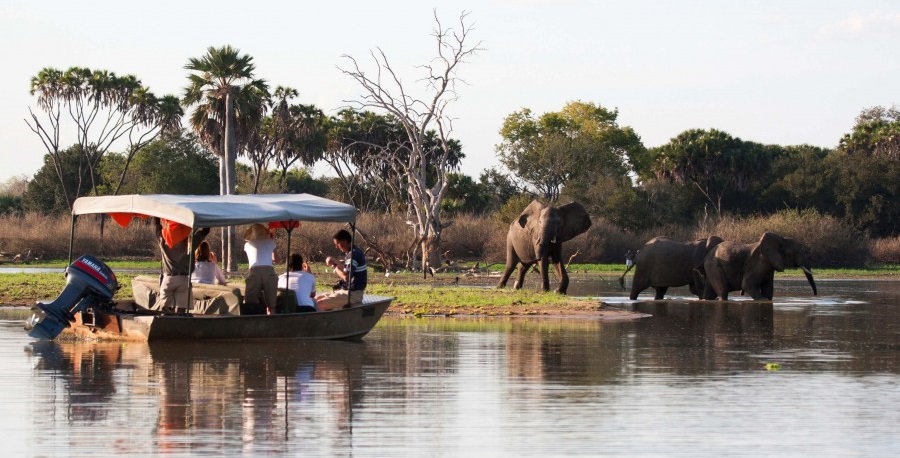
(531, 212)
(574, 220)
(771, 246)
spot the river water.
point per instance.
(809, 376)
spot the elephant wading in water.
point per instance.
(537, 235)
(662, 263)
(750, 267)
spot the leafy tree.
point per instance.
(174, 164)
(357, 145)
(425, 171)
(228, 102)
(11, 205)
(46, 191)
(105, 110)
(574, 145)
(803, 177)
(464, 195)
(867, 171)
(287, 134)
(300, 132)
(718, 165)
(499, 186)
(876, 134)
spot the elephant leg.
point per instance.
(506, 273)
(636, 289)
(764, 291)
(638, 285)
(511, 261)
(523, 269)
(563, 277)
(544, 266)
(661, 292)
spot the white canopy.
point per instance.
(215, 211)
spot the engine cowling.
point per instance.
(89, 282)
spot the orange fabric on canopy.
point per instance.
(174, 233)
(124, 219)
(284, 224)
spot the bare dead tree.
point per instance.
(424, 169)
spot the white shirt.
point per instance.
(303, 284)
(207, 273)
(259, 252)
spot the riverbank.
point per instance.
(444, 294)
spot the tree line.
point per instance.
(392, 151)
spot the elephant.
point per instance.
(537, 235)
(663, 262)
(750, 267)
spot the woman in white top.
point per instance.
(206, 270)
(261, 287)
(301, 282)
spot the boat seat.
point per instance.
(286, 302)
(208, 299)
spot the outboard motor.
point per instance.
(89, 282)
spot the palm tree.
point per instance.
(228, 102)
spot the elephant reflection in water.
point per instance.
(537, 235)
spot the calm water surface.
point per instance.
(686, 382)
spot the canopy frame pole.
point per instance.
(72, 238)
(289, 227)
(350, 270)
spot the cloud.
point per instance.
(864, 24)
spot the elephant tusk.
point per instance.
(807, 270)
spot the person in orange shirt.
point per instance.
(172, 239)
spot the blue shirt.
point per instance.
(357, 271)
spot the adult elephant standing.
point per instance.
(750, 267)
(537, 235)
(663, 263)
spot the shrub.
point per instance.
(830, 242)
(886, 250)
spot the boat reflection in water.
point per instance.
(242, 395)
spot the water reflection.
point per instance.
(689, 381)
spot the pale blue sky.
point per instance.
(784, 72)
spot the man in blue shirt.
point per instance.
(353, 273)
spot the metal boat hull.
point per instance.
(343, 324)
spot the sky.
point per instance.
(773, 72)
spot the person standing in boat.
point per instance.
(352, 271)
(303, 283)
(206, 269)
(172, 239)
(262, 282)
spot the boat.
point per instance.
(87, 309)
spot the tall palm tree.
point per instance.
(226, 94)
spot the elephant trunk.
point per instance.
(809, 278)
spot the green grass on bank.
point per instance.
(130, 264)
(416, 299)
